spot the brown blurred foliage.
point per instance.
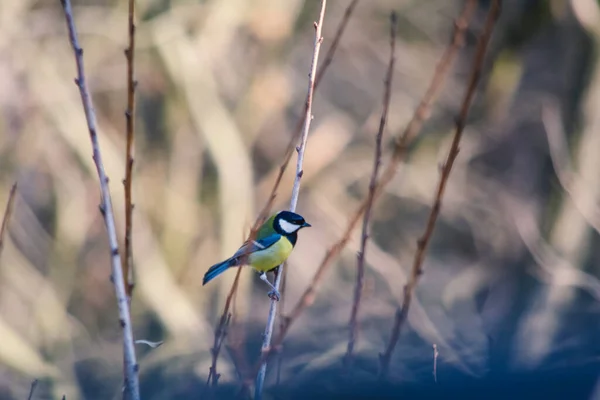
(510, 279)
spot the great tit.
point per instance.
(273, 244)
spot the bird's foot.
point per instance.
(274, 295)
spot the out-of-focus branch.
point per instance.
(360, 267)
(400, 148)
(335, 42)
(220, 335)
(559, 155)
(7, 213)
(131, 366)
(32, 389)
(266, 210)
(587, 13)
(436, 354)
(552, 268)
(260, 378)
(422, 243)
(130, 126)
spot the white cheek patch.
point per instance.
(288, 227)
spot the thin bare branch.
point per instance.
(422, 243)
(360, 267)
(266, 210)
(327, 60)
(260, 379)
(221, 331)
(131, 366)
(234, 346)
(400, 148)
(335, 42)
(7, 214)
(32, 389)
(220, 335)
(281, 324)
(130, 127)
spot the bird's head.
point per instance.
(287, 222)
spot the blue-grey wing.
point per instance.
(256, 245)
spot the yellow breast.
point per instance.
(267, 259)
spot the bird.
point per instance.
(273, 244)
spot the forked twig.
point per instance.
(360, 267)
(461, 120)
(7, 214)
(130, 127)
(220, 335)
(131, 366)
(260, 378)
(221, 332)
(400, 148)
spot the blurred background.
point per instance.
(510, 291)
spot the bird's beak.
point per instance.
(306, 225)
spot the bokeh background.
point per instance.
(510, 291)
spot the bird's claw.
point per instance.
(274, 295)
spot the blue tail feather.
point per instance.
(216, 270)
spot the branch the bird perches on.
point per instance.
(264, 213)
(260, 378)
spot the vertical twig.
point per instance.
(32, 389)
(335, 42)
(266, 210)
(360, 267)
(461, 119)
(327, 60)
(281, 324)
(130, 127)
(131, 366)
(260, 379)
(436, 353)
(329, 55)
(420, 115)
(7, 213)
